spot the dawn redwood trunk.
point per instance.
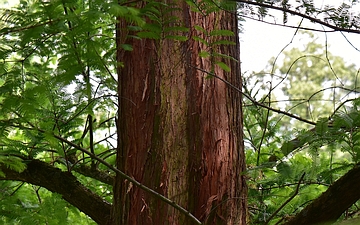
(179, 132)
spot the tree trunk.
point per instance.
(180, 133)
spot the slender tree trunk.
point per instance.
(180, 133)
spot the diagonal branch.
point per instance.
(95, 174)
(332, 203)
(44, 175)
(312, 19)
(287, 201)
(119, 172)
(127, 177)
(253, 101)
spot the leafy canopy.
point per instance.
(289, 161)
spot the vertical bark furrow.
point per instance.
(181, 133)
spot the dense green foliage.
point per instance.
(57, 80)
(22, 203)
(58, 92)
(291, 162)
(58, 84)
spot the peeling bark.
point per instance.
(42, 174)
(180, 133)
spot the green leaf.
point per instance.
(284, 169)
(12, 163)
(224, 56)
(223, 66)
(221, 33)
(196, 38)
(194, 7)
(133, 11)
(127, 47)
(148, 34)
(153, 27)
(200, 29)
(117, 10)
(289, 146)
(135, 37)
(209, 77)
(135, 28)
(322, 126)
(204, 54)
(176, 37)
(343, 120)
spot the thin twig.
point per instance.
(288, 26)
(287, 201)
(119, 172)
(312, 19)
(127, 177)
(255, 102)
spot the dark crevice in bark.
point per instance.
(44, 175)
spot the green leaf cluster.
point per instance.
(27, 204)
(280, 149)
(58, 91)
(57, 71)
(163, 23)
(211, 40)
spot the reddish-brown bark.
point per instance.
(180, 133)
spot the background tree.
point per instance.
(299, 170)
(315, 81)
(97, 95)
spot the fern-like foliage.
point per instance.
(13, 163)
(277, 158)
(57, 71)
(53, 47)
(58, 83)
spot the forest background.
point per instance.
(300, 121)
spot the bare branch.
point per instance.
(310, 18)
(255, 102)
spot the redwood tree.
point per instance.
(179, 132)
(166, 76)
(178, 122)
